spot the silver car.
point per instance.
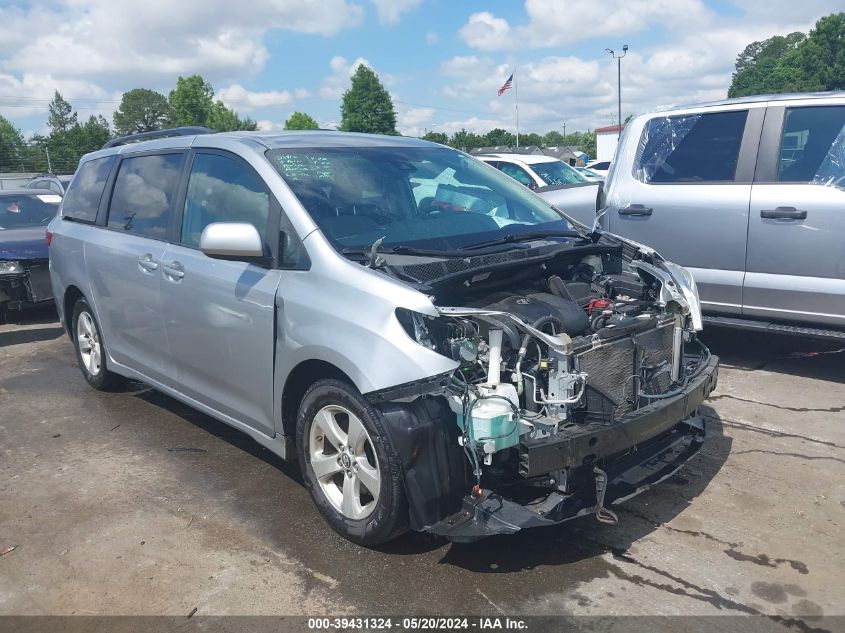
(749, 194)
(437, 346)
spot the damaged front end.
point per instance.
(579, 384)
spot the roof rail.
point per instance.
(146, 136)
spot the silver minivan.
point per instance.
(438, 347)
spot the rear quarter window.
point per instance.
(83, 197)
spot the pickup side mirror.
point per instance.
(231, 240)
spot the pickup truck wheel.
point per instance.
(349, 465)
(90, 353)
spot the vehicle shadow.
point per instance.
(585, 537)
(214, 427)
(27, 332)
(39, 315)
(782, 354)
(34, 335)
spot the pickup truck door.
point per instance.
(682, 185)
(795, 266)
(220, 315)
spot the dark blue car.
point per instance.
(24, 261)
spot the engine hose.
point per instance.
(523, 347)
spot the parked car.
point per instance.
(601, 167)
(436, 346)
(24, 274)
(748, 194)
(533, 170)
(589, 174)
(550, 175)
(58, 184)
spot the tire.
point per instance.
(90, 352)
(342, 485)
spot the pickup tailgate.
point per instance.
(581, 201)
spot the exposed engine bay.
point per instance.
(552, 364)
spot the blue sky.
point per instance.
(441, 60)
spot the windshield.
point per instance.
(419, 197)
(23, 211)
(558, 173)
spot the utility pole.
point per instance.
(564, 130)
(49, 166)
(619, 84)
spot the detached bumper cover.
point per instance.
(638, 451)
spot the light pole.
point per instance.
(619, 82)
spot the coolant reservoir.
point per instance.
(492, 422)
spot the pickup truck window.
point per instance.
(690, 148)
(813, 146)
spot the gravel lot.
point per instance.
(131, 503)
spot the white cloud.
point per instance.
(410, 120)
(390, 11)
(335, 84)
(103, 39)
(562, 22)
(30, 94)
(432, 38)
(266, 125)
(239, 98)
(338, 81)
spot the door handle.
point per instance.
(783, 213)
(635, 209)
(147, 264)
(174, 270)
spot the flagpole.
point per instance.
(516, 96)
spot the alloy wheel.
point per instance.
(344, 462)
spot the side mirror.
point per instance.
(231, 240)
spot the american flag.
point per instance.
(506, 86)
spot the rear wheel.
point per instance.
(90, 353)
(349, 465)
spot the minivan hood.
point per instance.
(24, 243)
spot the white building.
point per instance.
(606, 138)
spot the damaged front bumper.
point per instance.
(29, 287)
(616, 462)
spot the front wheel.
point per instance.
(349, 465)
(90, 353)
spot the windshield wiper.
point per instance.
(511, 238)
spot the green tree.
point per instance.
(820, 59)
(467, 141)
(367, 106)
(794, 62)
(301, 121)
(62, 117)
(91, 135)
(531, 138)
(223, 119)
(436, 137)
(588, 144)
(191, 102)
(11, 147)
(498, 136)
(141, 110)
(552, 138)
